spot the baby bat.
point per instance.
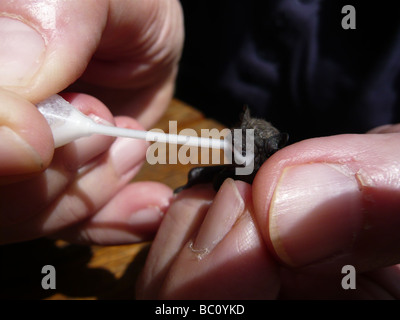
(267, 140)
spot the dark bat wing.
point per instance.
(208, 174)
(215, 175)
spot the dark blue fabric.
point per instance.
(293, 64)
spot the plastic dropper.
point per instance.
(68, 124)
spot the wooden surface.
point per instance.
(92, 272)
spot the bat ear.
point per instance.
(246, 112)
(245, 117)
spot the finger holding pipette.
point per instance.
(75, 189)
(26, 142)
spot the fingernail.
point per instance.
(226, 208)
(17, 156)
(126, 154)
(21, 52)
(315, 212)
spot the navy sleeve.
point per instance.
(293, 64)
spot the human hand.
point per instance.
(126, 51)
(314, 207)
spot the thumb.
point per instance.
(26, 142)
(45, 46)
(333, 201)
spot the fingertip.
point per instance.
(132, 216)
(387, 128)
(143, 206)
(26, 139)
(89, 105)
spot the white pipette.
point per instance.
(68, 124)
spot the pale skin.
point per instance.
(290, 235)
(131, 49)
(313, 207)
